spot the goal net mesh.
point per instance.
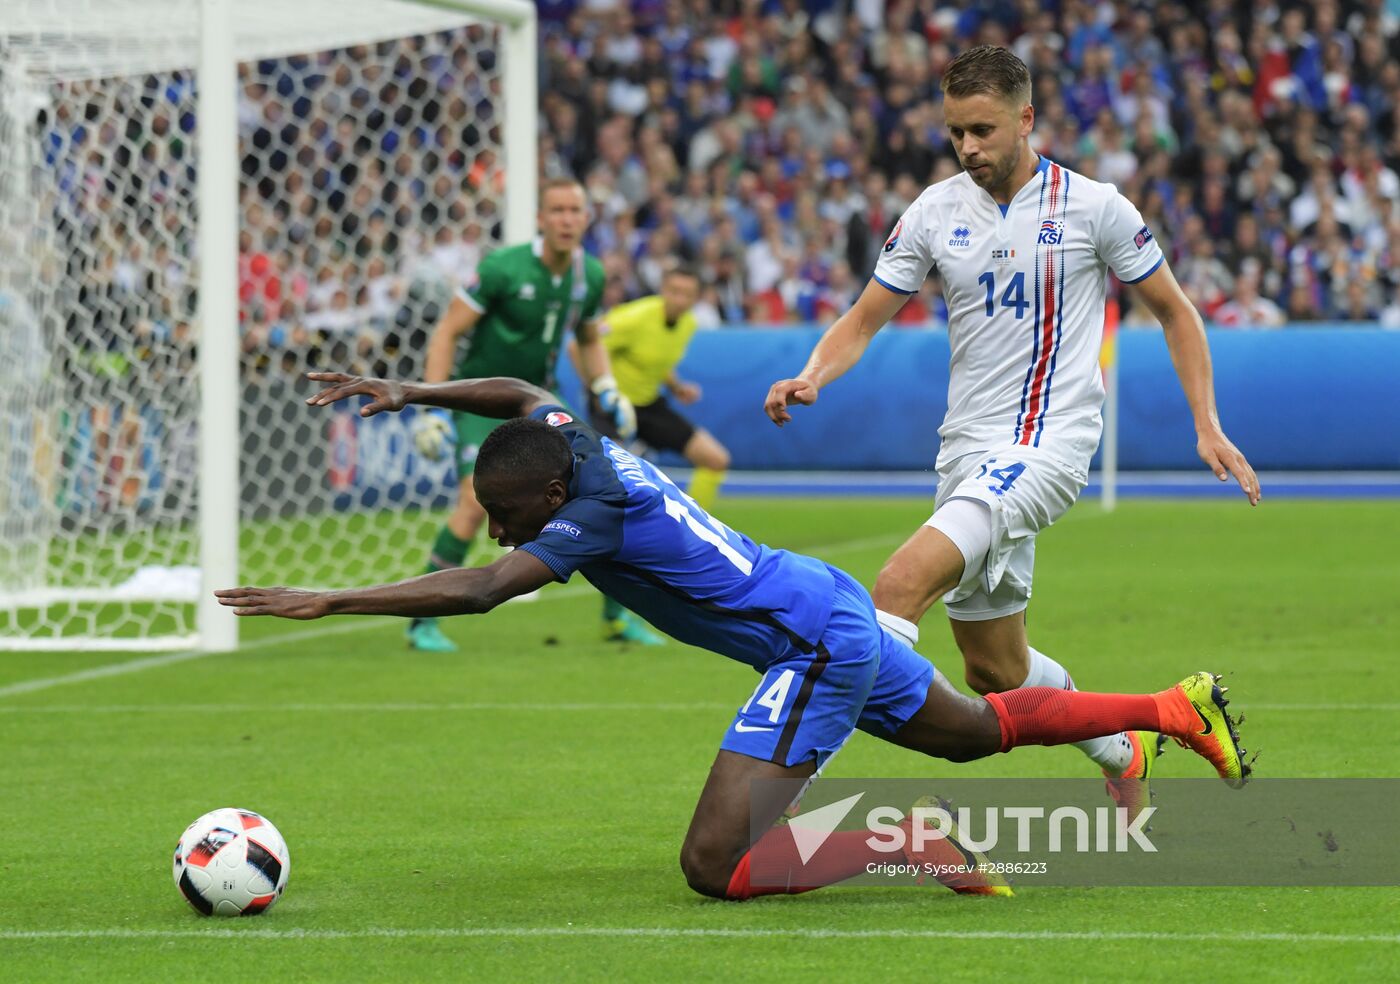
(370, 182)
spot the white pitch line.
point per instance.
(664, 933)
(353, 708)
(168, 659)
(1246, 706)
(543, 706)
(359, 624)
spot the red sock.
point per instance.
(776, 865)
(1048, 716)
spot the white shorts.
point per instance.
(1025, 491)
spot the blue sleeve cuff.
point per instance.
(889, 286)
(1138, 280)
(560, 569)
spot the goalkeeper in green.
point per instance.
(527, 299)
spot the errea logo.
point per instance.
(962, 236)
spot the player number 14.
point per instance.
(680, 510)
(1014, 296)
(1004, 475)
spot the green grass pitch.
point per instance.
(515, 811)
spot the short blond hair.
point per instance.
(990, 70)
(553, 183)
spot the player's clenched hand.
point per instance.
(783, 394)
(281, 602)
(686, 393)
(385, 393)
(1223, 458)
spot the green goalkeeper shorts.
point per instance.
(471, 432)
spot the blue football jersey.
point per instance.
(639, 539)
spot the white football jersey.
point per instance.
(1025, 291)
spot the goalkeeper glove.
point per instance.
(432, 433)
(616, 406)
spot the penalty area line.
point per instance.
(666, 933)
(169, 659)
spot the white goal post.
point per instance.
(199, 200)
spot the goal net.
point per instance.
(158, 304)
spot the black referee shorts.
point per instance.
(659, 426)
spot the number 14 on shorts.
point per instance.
(1003, 476)
(771, 694)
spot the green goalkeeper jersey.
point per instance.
(526, 312)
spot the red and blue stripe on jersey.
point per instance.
(1049, 305)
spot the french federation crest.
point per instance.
(558, 419)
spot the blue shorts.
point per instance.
(860, 676)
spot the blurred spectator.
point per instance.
(1246, 309)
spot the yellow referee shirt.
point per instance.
(643, 349)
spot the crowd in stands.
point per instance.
(774, 142)
(771, 144)
(372, 188)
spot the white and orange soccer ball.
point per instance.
(231, 863)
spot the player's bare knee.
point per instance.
(974, 731)
(963, 753)
(896, 589)
(987, 673)
(907, 587)
(980, 733)
(720, 453)
(706, 872)
(465, 525)
(703, 451)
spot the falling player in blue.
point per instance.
(571, 500)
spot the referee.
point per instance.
(646, 339)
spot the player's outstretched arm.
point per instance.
(839, 349)
(459, 591)
(594, 365)
(1186, 341)
(459, 318)
(497, 396)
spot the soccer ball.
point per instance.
(231, 863)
